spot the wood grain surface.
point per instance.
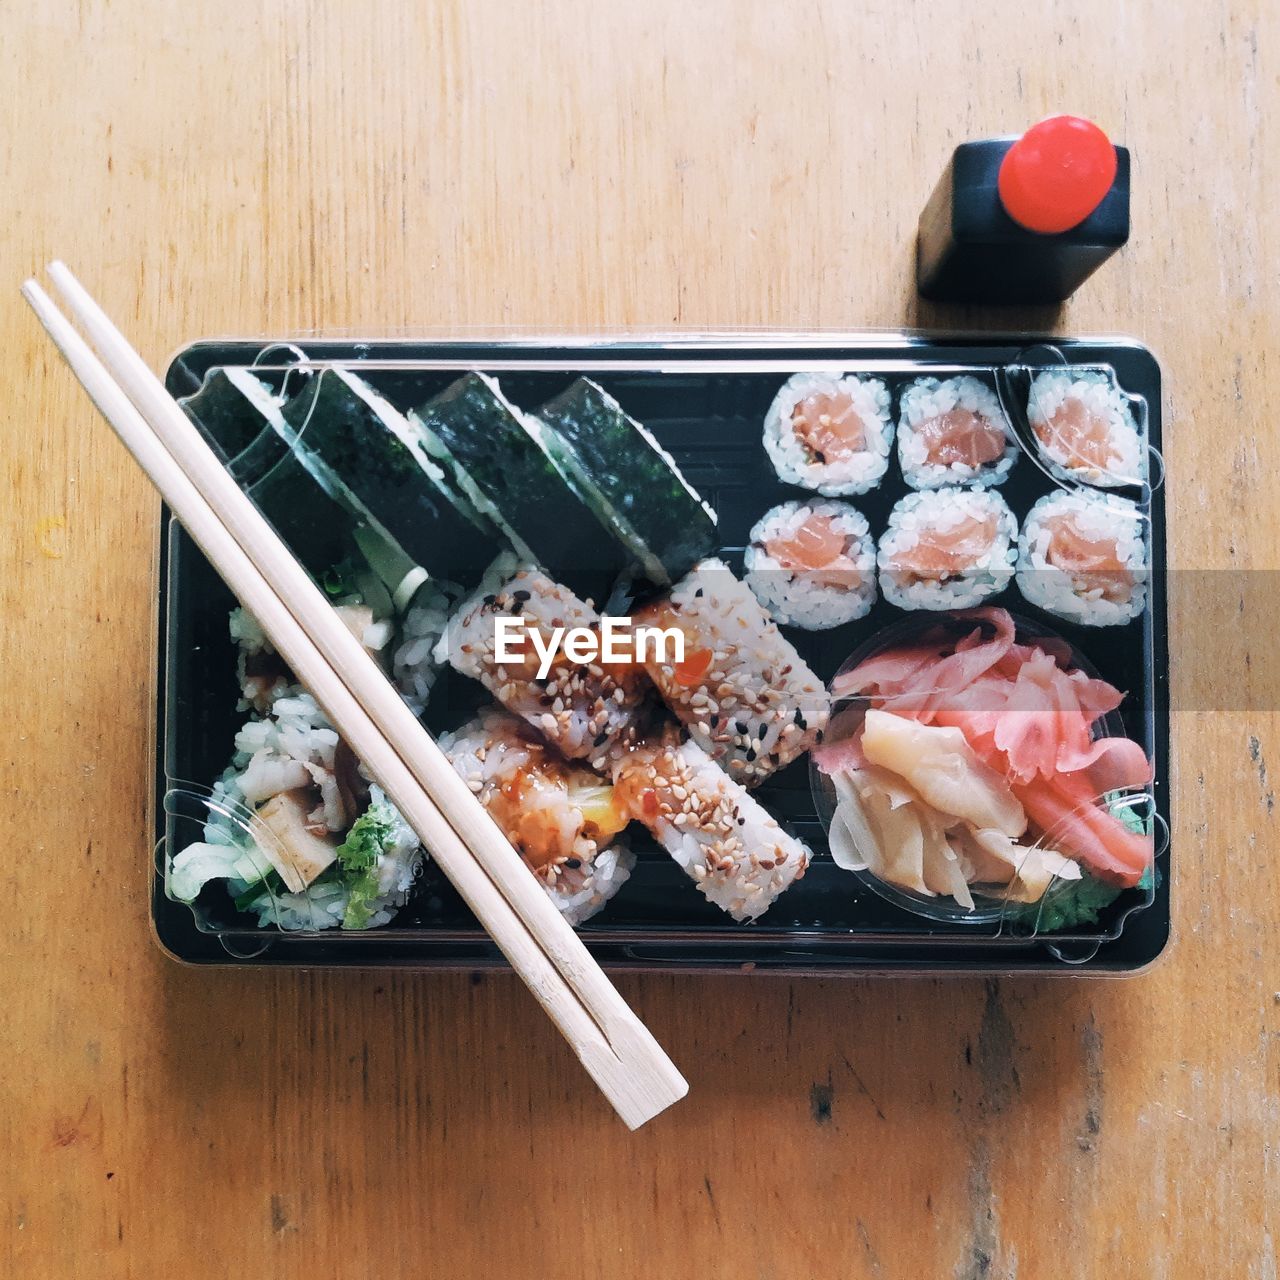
(240, 168)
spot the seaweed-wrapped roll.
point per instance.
(629, 480)
(498, 459)
(375, 463)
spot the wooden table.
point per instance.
(242, 169)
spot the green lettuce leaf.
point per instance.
(371, 835)
(363, 890)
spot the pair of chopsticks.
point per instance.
(616, 1048)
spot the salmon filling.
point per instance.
(829, 426)
(960, 436)
(939, 554)
(1080, 436)
(818, 551)
(1091, 563)
(550, 809)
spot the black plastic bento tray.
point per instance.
(705, 399)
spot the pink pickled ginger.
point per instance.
(1028, 715)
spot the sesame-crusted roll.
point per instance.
(743, 692)
(581, 709)
(564, 820)
(738, 856)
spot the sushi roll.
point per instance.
(242, 420)
(231, 410)
(402, 646)
(1085, 428)
(298, 834)
(375, 464)
(947, 549)
(953, 432)
(742, 691)
(562, 818)
(498, 457)
(628, 479)
(583, 710)
(1082, 557)
(737, 855)
(813, 564)
(830, 433)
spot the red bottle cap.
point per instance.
(1056, 174)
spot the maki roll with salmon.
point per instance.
(624, 475)
(1082, 557)
(829, 433)
(563, 819)
(1085, 428)
(953, 432)
(726, 842)
(947, 549)
(741, 690)
(813, 564)
(582, 709)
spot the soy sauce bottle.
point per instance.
(1024, 220)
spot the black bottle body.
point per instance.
(970, 250)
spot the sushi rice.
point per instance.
(734, 851)
(859, 469)
(413, 664)
(742, 691)
(927, 401)
(813, 597)
(407, 647)
(582, 711)
(1058, 579)
(291, 749)
(554, 812)
(915, 574)
(1058, 399)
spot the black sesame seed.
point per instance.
(800, 720)
(573, 863)
(742, 726)
(697, 595)
(520, 596)
(600, 740)
(764, 730)
(751, 755)
(491, 600)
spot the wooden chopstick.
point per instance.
(616, 1048)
